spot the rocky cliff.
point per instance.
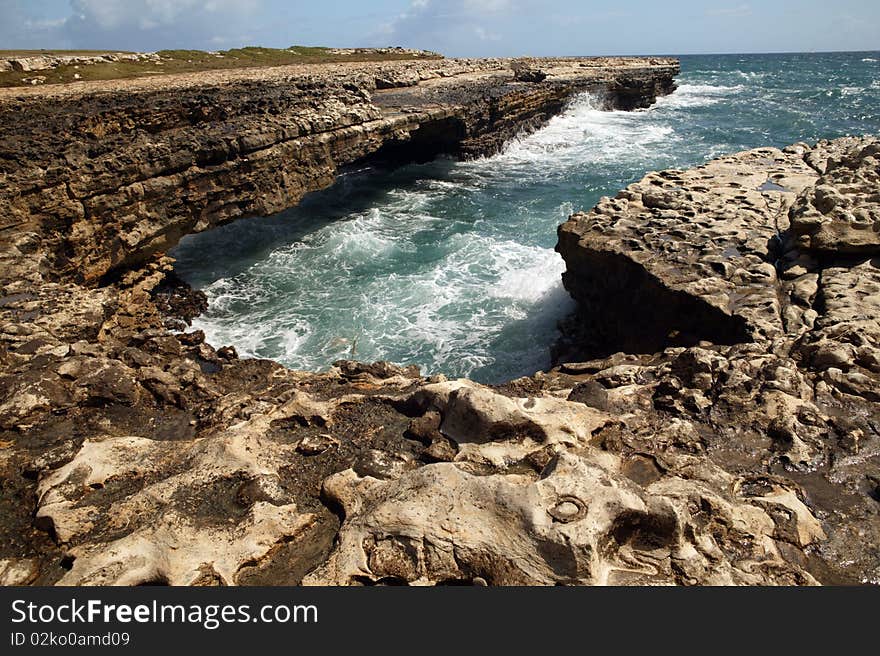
(758, 283)
(107, 174)
(737, 447)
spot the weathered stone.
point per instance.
(841, 213)
(122, 170)
(313, 445)
(590, 393)
(783, 369)
(527, 71)
(734, 443)
(18, 571)
(579, 523)
(670, 246)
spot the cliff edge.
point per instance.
(734, 445)
(107, 174)
(756, 281)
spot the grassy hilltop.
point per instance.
(190, 61)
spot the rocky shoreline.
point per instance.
(758, 276)
(109, 174)
(736, 442)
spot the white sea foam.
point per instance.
(582, 135)
(699, 95)
(267, 332)
(397, 281)
(365, 286)
(450, 265)
(752, 76)
(446, 312)
(526, 276)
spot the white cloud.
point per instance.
(111, 14)
(43, 23)
(483, 35)
(486, 6)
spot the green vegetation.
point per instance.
(191, 61)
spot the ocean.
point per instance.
(450, 265)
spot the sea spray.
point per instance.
(450, 265)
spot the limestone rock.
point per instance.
(118, 171)
(17, 571)
(762, 264)
(732, 443)
(841, 213)
(672, 246)
(135, 510)
(527, 71)
(580, 522)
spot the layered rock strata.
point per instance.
(98, 179)
(131, 454)
(108, 174)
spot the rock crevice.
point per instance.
(111, 177)
(743, 453)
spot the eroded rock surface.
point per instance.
(840, 214)
(764, 299)
(741, 450)
(697, 250)
(580, 520)
(106, 174)
(133, 455)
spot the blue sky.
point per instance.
(467, 28)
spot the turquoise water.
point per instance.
(450, 265)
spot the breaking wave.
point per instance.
(450, 265)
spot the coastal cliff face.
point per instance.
(743, 453)
(109, 174)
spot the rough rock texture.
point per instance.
(108, 174)
(764, 298)
(533, 498)
(27, 64)
(698, 249)
(841, 213)
(131, 454)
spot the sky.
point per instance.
(459, 28)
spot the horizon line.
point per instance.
(487, 56)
